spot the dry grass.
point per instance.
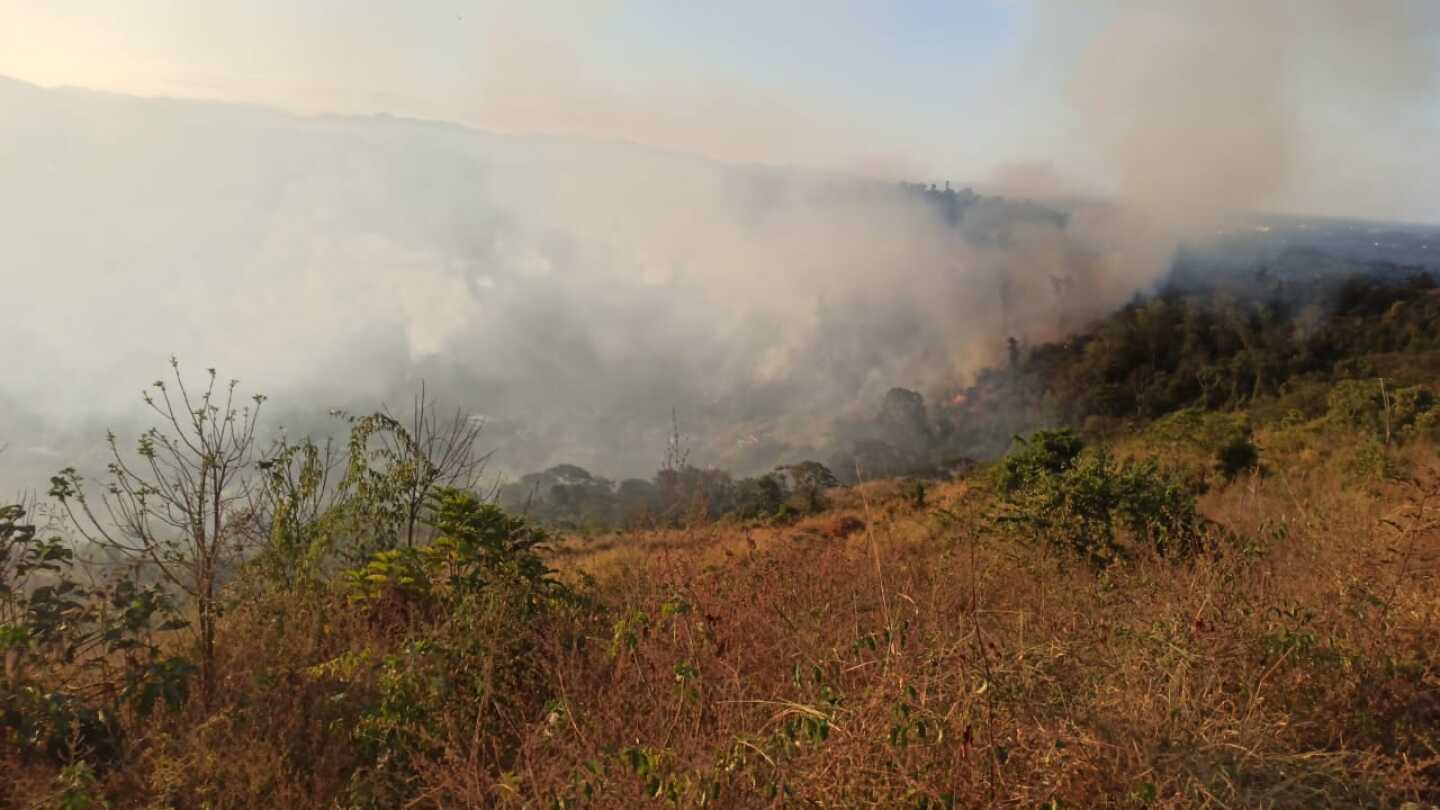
(923, 659)
(1293, 668)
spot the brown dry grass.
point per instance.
(1294, 668)
(928, 659)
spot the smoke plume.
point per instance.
(575, 291)
(572, 292)
(1196, 111)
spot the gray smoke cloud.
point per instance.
(572, 292)
(575, 291)
(1196, 110)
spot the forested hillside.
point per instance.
(1201, 573)
(1270, 346)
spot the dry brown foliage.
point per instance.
(918, 658)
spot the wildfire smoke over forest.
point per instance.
(575, 292)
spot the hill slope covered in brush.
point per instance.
(1214, 588)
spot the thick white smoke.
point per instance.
(573, 292)
(576, 291)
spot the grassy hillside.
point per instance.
(1218, 595)
(900, 649)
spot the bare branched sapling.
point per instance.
(172, 506)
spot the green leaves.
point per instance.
(627, 630)
(477, 544)
(810, 479)
(65, 485)
(1045, 453)
(304, 519)
(1081, 500)
(75, 654)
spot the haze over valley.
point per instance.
(937, 404)
(577, 292)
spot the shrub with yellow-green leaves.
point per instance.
(463, 626)
(1389, 414)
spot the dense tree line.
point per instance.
(1222, 342)
(570, 497)
(1229, 346)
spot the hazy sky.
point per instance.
(743, 80)
(923, 89)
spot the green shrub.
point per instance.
(760, 497)
(76, 656)
(1237, 456)
(1370, 462)
(1427, 424)
(1352, 368)
(809, 480)
(1357, 405)
(1368, 407)
(1407, 407)
(1046, 453)
(1082, 501)
(1206, 431)
(465, 620)
(477, 543)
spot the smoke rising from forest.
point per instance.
(575, 292)
(1199, 109)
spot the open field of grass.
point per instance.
(884, 653)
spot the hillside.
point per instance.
(1267, 343)
(571, 291)
(1173, 548)
(1014, 404)
(1211, 608)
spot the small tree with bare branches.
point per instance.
(397, 463)
(169, 506)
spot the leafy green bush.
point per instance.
(809, 480)
(464, 620)
(1045, 453)
(1081, 501)
(1408, 406)
(760, 497)
(478, 542)
(1393, 414)
(303, 511)
(1206, 431)
(1237, 456)
(1428, 424)
(1370, 462)
(1356, 404)
(75, 657)
(1203, 442)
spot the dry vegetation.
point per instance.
(884, 653)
